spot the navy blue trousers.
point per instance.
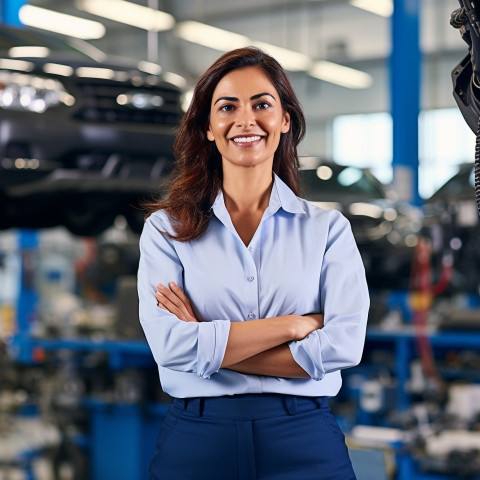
(251, 437)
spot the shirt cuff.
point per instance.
(212, 343)
(306, 353)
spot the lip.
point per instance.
(247, 144)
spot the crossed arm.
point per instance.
(256, 347)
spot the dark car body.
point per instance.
(83, 137)
(452, 223)
(386, 230)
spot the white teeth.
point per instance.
(246, 139)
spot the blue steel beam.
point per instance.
(405, 81)
(27, 239)
(9, 10)
(27, 295)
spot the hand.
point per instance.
(306, 324)
(175, 301)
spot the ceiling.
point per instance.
(324, 30)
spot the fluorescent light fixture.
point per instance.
(224, 40)
(177, 80)
(58, 69)
(383, 8)
(27, 51)
(129, 13)
(60, 22)
(211, 37)
(289, 59)
(149, 67)
(340, 75)
(96, 72)
(16, 65)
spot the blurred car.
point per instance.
(452, 223)
(83, 136)
(386, 230)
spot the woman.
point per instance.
(252, 300)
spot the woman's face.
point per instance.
(246, 118)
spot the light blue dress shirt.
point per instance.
(302, 259)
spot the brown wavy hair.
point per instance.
(198, 175)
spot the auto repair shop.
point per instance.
(92, 93)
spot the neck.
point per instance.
(247, 189)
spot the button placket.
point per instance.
(251, 300)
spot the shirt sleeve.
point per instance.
(175, 344)
(345, 300)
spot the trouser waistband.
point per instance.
(249, 406)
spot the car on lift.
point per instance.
(452, 222)
(386, 230)
(84, 137)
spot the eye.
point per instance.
(262, 105)
(226, 108)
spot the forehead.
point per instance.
(244, 82)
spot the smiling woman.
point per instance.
(199, 161)
(246, 128)
(251, 298)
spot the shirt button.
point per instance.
(251, 315)
(250, 249)
(250, 278)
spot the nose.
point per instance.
(245, 118)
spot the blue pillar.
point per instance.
(27, 294)
(9, 11)
(405, 81)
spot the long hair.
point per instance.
(198, 176)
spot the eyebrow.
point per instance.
(254, 97)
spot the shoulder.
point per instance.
(160, 220)
(320, 214)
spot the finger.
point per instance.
(165, 304)
(172, 296)
(159, 298)
(181, 295)
(171, 307)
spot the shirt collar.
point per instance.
(281, 197)
(284, 196)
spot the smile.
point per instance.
(249, 139)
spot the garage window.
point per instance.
(445, 141)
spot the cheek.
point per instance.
(274, 124)
(219, 126)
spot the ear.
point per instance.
(210, 134)
(286, 122)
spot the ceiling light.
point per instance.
(175, 79)
(289, 59)
(58, 69)
(29, 51)
(16, 65)
(340, 75)
(149, 67)
(60, 22)
(96, 72)
(224, 40)
(211, 37)
(129, 13)
(383, 8)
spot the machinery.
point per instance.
(466, 75)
